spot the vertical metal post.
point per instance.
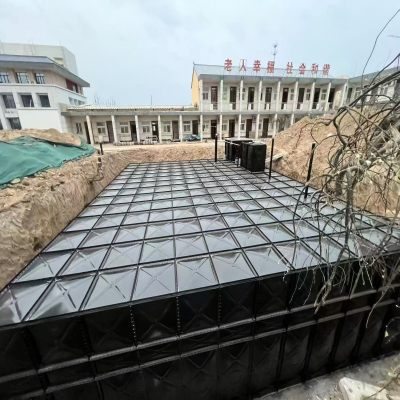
(101, 149)
(216, 147)
(270, 161)
(309, 169)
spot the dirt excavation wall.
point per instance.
(35, 210)
(294, 144)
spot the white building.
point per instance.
(35, 90)
(234, 103)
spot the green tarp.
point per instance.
(25, 156)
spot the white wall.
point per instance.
(54, 52)
(40, 119)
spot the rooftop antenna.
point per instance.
(275, 49)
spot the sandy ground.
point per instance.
(327, 388)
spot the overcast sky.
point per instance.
(129, 50)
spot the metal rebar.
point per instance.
(270, 161)
(309, 169)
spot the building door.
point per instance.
(154, 128)
(316, 97)
(87, 132)
(195, 127)
(133, 131)
(301, 95)
(110, 132)
(175, 130)
(249, 123)
(268, 94)
(285, 95)
(251, 95)
(213, 128)
(265, 127)
(231, 128)
(331, 95)
(214, 96)
(232, 96)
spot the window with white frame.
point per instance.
(101, 128)
(224, 126)
(39, 78)
(275, 95)
(243, 93)
(78, 126)
(224, 93)
(186, 126)
(323, 94)
(205, 127)
(4, 78)
(124, 127)
(292, 94)
(167, 127)
(146, 128)
(205, 94)
(242, 126)
(22, 77)
(308, 94)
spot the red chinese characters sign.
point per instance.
(257, 66)
(271, 67)
(242, 65)
(302, 69)
(314, 68)
(289, 68)
(228, 65)
(325, 70)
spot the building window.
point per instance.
(40, 78)
(101, 128)
(9, 101)
(27, 100)
(146, 128)
(292, 94)
(224, 127)
(242, 126)
(124, 127)
(167, 127)
(205, 127)
(78, 128)
(4, 78)
(243, 93)
(205, 95)
(44, 100)
(275, 96)
(224, 93)
(323, 94)
(14, 123)
(22, 77)
(308, 94)
(186, 126)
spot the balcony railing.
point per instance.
(213, 106)
(232, 106)
(250, 106)
(283, 106)
(300, 106)
(267, 106)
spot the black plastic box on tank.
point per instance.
(190, 280)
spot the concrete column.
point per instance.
(343, 95)
(201, 127)
(220, 127)
(311, 96)
(257, 123)
(326, 105)
(239, 123)
(201, 95)
(90, 129)
(240, 95)
(160, 129)
(275, 125)
(259, 97)
(137, 128)
(180, 128)
(291, 119)
(221, 89)
(278, 96)
(296, 90)
(114, 125)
